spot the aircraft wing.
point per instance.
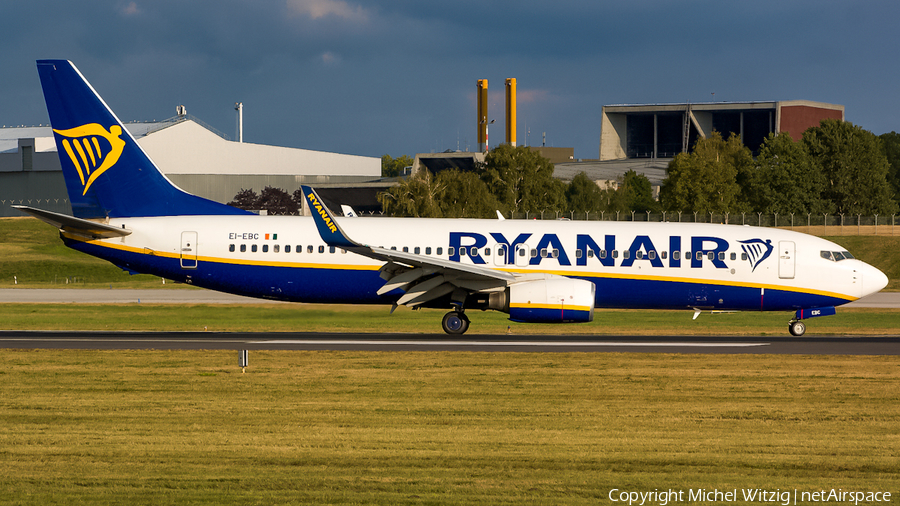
(66, 223)
(422, 277)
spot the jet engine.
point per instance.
(557, 299)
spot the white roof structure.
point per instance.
(183, 146)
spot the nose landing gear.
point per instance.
(797, 328)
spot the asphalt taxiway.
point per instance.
(440, 342)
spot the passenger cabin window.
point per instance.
(427, 250)
(287, 248)
(243, 248)
(309, 249)
(440, 251)
(253, 248)
(417, 250)
(231, 248)
(321, 249)
(265, 248)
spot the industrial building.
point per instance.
(645, 137)
(664, 130)
(195, 158)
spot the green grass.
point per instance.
(164, 427)
(333, 318)
(32, 253)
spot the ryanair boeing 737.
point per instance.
(127, 212)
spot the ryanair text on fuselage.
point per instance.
(642, 248)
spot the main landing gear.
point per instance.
(455, 323)
(797, 328)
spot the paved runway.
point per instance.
(200, 296)
(401, 342)
(440, 342)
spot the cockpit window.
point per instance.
(836, 256)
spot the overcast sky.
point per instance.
(398, 77)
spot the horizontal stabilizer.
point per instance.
(75, 225)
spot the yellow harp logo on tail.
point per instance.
(92, 150)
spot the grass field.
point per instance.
(166, 427)
(331, 318)
(186, 427)
(33, 256)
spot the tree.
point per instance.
(890, 145)
(637, 193)
(706, 180)
(245, 199)
(276, 201)
(785, 179)
(522, 180)
(393, 167)
(854, 167)
(416, 196)
(584, 196)
(464, 195)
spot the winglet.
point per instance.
(329, 230)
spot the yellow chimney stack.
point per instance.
(482, 114)
(511, 111)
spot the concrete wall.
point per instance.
(613, 136)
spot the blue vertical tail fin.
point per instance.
(107, 173)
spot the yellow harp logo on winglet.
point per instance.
(92, 150)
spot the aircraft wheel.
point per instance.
(455, 322)
(797, 328)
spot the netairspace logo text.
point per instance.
(752, 495)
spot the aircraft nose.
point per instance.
(873, 280)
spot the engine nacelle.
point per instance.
(557, 299)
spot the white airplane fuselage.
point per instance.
(632, 264)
